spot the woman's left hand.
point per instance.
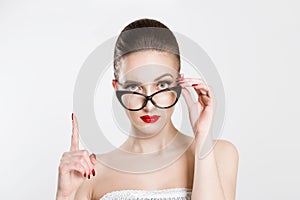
(200, 111)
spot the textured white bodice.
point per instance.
(164, 194)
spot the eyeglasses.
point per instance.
(135, 101)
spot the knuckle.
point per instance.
(61, 160)
(81, 159)
(64, 154)
(85, 152)
(77, 166)
(62, 167)
(90, 163)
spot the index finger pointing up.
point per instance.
(75, 134)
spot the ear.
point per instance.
(114, 84)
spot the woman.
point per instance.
(156, 62)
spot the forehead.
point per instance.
(148, 65)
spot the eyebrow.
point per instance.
(158, 78)
(166, 74)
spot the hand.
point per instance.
(200, 111)
(75, 166)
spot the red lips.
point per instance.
(149, 119)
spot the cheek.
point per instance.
(169, 112)
(133, 115)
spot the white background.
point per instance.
(254, 45)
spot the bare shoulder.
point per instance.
(226, 151)
(227, 159)
(227, 156)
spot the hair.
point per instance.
(144, 34)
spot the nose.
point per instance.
(149, 106)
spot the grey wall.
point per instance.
(254, 45)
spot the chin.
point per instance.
(149, 129)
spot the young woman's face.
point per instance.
(147, 72)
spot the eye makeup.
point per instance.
(165, 78)
(157, 83)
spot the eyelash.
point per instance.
(167, 82)
(128, 86)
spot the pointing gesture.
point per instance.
(75, 166)
(75, 134)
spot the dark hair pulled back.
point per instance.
(144, 34)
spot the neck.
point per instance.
(153, 143)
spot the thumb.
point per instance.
(93, 158)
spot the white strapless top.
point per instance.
(164, 194)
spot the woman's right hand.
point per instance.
(75, 166)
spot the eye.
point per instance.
(164, 84)
(132, 87)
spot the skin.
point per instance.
(163, 130)
(216, 173)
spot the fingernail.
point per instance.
(93, 172)
(84, 174)
(72, 116)
(195, 84)
(89, 176)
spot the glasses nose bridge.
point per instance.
(149, 93)
(148, 102)
(148, 98)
